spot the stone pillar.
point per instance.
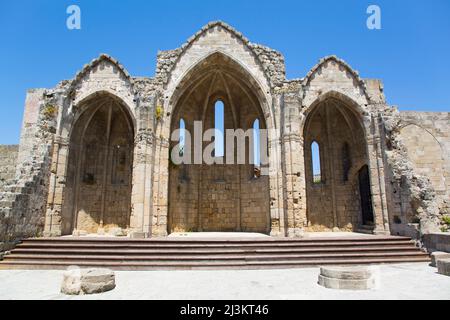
(53, 216)
(277, 215)
(294, 179)
(294, 185)
(142, 175)
(377, 178)
(160, 192)
(275, 172)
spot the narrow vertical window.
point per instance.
(256, 149)
(315, 153)
(182, 136)
(219, 126)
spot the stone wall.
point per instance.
(23, 201)
(427, 139)
(8, 161)
(415, 193)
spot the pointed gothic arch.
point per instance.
(218, 197)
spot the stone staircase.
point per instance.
(179, 254)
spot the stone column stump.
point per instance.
(444, 267)
(348, 278)
(438, 255)
(78, 281)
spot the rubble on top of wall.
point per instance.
(146, 87)
(291, 86)
(273, 63)
(166, 61)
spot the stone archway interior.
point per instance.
(218, 197)
(333, 193)
(98, 189)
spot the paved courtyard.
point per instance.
(405, 281)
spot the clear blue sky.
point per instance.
(410, 54)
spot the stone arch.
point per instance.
(218, 197)
(334, 75)
(362, 116)
(334, 120)
(83, 104)
(234, 43)
(91, 67)
(103, 75)
(260, 84)
(98, 169)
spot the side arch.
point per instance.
(333, 74)
(334, 119)
(93, 159)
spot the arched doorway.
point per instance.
(335, 150)
(98, 188)
(366, 196)
(218, 197)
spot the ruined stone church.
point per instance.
(94, 153)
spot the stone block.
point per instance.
(348, 278)
(439, 241)
(444, 266)
(117, 232)
(78, 281)
(79, 233)
(438, 255)
(138, 235)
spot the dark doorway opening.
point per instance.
(366, 196)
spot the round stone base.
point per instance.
(348, 278)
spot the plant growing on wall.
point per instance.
(49, 111)
(446, 221)
(159, 112)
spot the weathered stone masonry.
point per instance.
(94, 150)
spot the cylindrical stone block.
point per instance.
(348, 278)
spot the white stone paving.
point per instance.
(398, 282)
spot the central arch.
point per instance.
(219, 197)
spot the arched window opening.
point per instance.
(182, 136)
(346, 161)
(219, 126)
(256, 149)
(316, 165)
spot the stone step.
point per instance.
(150, 254)
(50, 265)
(312, 249)
(208, 256)
(88, 239)
(204, 244)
